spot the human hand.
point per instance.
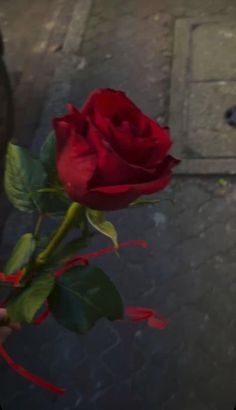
(6, 330)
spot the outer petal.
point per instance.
(161, 180)
(76, 161)
(162, 140)
(108, 201)
(110, 198)
(75, 119)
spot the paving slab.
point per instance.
(203, 87)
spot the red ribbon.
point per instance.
(13, 278)
(152, 317)
(134, 313)
(42, 317)
(83, 259)
(25, 373)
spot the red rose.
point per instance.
(109, 153)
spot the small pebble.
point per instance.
(82, 63)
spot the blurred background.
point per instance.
(177, 61)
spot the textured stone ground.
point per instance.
(188, 271)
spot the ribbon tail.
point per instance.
(157, 323)
(153, 319)
(27, 375)
(137, 313)
(42, 317)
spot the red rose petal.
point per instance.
(76, 164)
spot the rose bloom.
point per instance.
(109, 153)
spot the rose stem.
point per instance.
(60, 233)
(38, 225)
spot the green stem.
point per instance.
(38, 225)
(60, 233)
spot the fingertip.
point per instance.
(5, 331)
(3, 313)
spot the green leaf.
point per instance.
(52, 190)
(96, 219)
(21, 254)
(25, 305)
(81, 296)
(23, 175)
(48, 157)
(143, 202)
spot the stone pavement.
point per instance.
(188, 272)
(203, 88)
